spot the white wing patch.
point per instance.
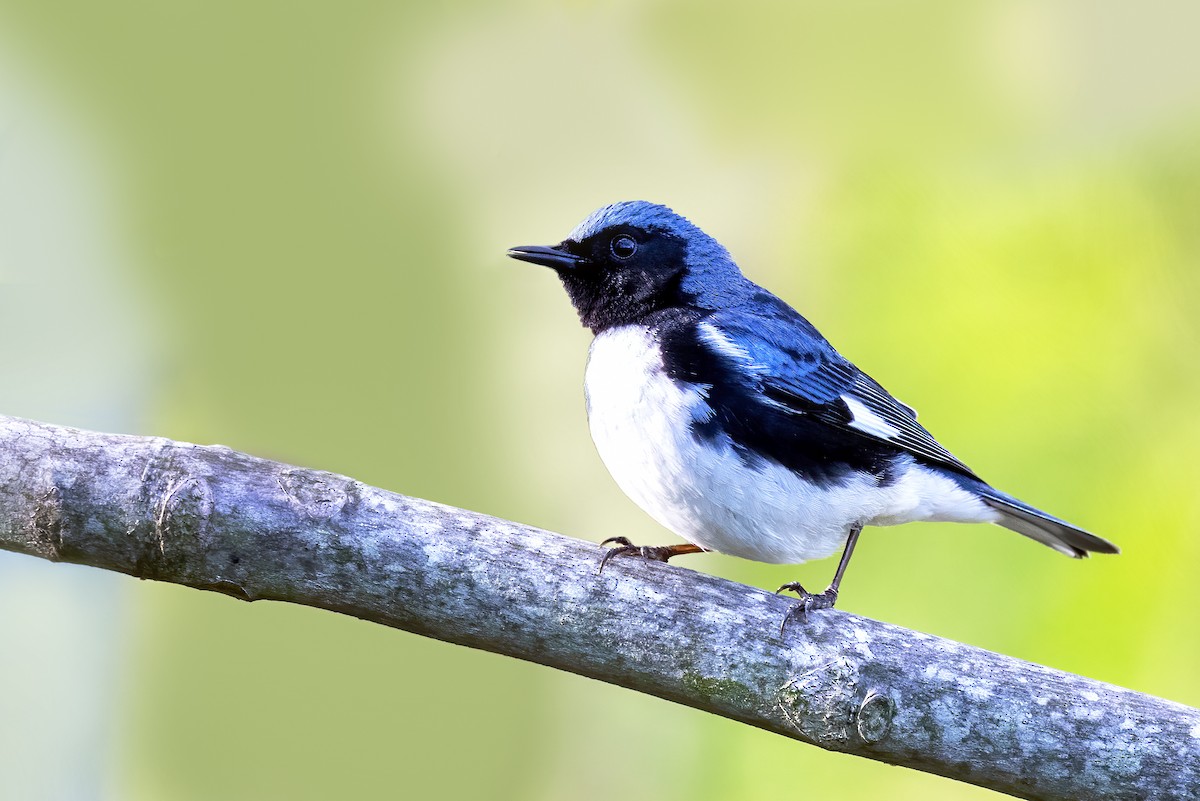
(715, 337)
(867, 421)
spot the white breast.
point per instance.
(706, 493)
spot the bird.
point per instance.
(730, 420)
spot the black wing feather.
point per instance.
(797, 369)
(911, 436)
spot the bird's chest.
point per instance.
(639, 417)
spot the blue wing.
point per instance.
(796, 369)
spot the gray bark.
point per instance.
(215, 519)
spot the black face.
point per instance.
(617, 276)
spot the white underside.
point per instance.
(640, 421)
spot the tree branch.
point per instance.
(215, 519)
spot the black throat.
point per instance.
(607, 294)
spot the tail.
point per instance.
(1036, 524)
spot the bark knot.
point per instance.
(184, 511)
(873, 718)
(315, 495)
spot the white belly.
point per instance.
(704, 492)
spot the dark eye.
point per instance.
(623, 246)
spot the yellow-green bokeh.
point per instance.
(992, 207)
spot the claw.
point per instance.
(655, 553)
(618, 540)
(628, 547)
(808, 603)
(623, 544)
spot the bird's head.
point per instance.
(631, 259)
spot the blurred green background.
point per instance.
(281, 227)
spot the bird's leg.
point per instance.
(825, 600)
(658, 553)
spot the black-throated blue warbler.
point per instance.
(729, 419)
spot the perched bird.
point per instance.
(730, 420)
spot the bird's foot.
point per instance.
(656, 553)
(809, 602)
